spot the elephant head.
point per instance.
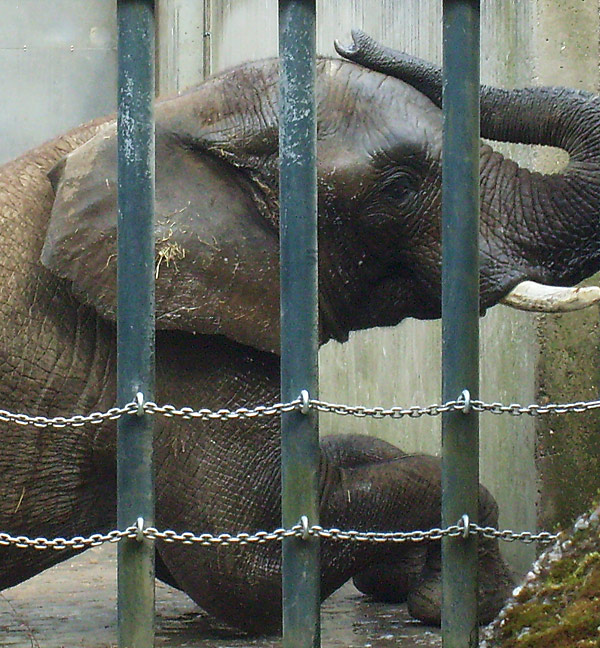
(379, 145)
(535, 228)
(379, 152)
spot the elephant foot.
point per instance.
(495, 585)
(391, 583)
(425, 602)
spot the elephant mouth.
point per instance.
(397, 295)
(330, 325)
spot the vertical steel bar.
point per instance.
(460, 313)
(135, 320)
(207, 40)
(299, 317)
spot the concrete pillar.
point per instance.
(568, 447)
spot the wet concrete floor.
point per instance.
(73, 605)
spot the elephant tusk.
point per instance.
(532, 296)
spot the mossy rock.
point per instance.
(558, 605)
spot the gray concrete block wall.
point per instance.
(182, 44)
(568, 447)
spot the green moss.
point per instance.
(562, 571)
(552, 625)
(561, 608)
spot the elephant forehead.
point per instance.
(355, 105)
(374, 111)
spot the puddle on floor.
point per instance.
(73, 605)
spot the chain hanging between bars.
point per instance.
(261, 537)
(360, 411)
(139, 406)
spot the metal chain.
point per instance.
(204, 414)
(527, 537)
(535, 410)
(77, 420)
(78, 542)
(360, 411)
(455, 405)
(303, 404)
(261, 537)
(135, 408)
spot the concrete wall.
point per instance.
(58, 69)
(183, 44)
(568, 447)
(61, 67)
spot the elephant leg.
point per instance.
(404, 494)
(393, 582)
(162, 572)
(494, 579)
(384, 582)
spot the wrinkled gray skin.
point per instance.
(217, 314)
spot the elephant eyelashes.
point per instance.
(399, 187)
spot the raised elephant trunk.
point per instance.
(522, 208)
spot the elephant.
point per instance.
(413, 574)
(217, 313)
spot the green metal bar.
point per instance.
(135, 320)
(460, 315)
(299, 317)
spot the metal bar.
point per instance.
(299, 317)
(460, 315)
(207, 40)
(135, 321)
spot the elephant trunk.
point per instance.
(543, 226)
(534, 226)
(373, 486)
(561, 117)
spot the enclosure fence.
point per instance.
(463, 528)
(300, 529)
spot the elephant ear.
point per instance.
(217, 258)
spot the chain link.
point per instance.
(527, 537)
(360, 411)
(78, 542)
(300, 404)
(455, 405)
(535, 410)
(204, 414)
(77, 420)
(261, 537)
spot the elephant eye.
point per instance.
(398, 186)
